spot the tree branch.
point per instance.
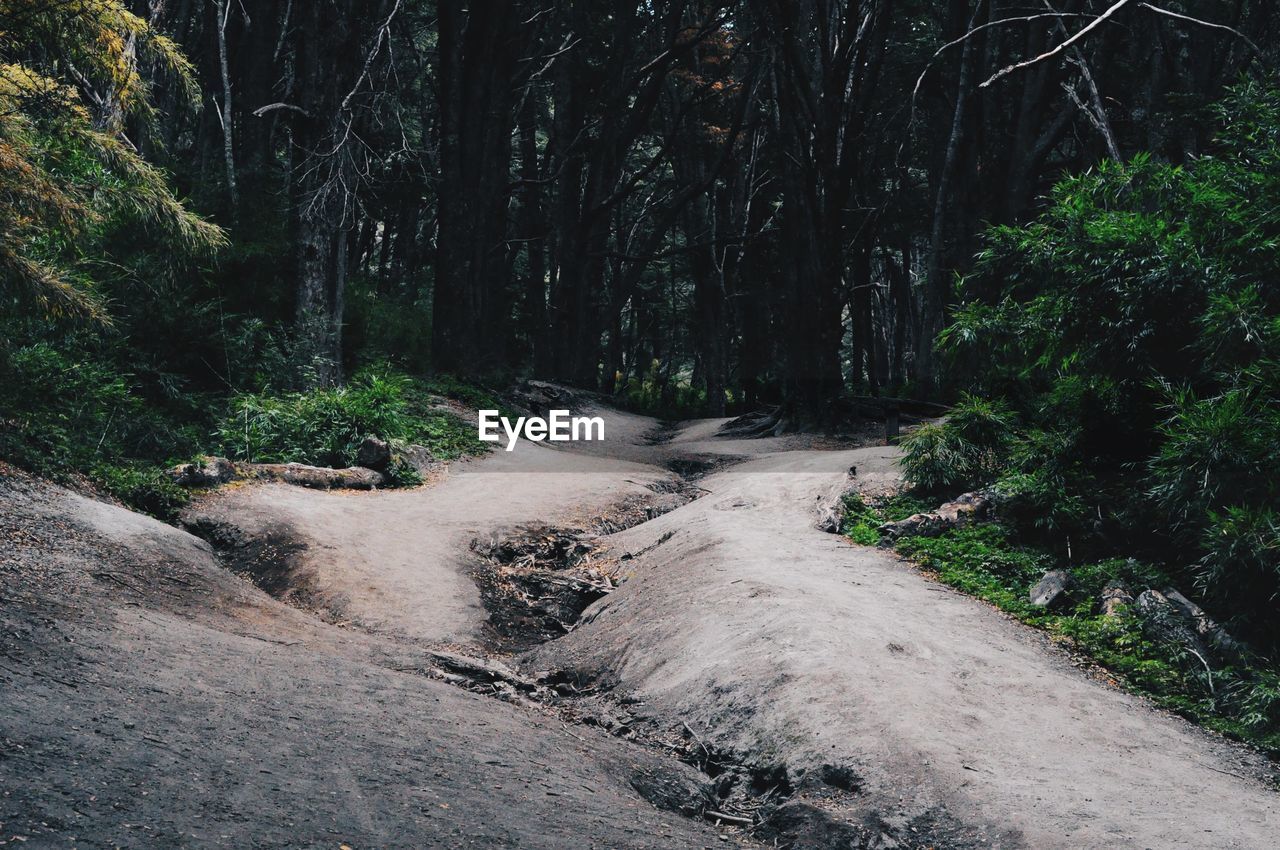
(272, 107)
(1257, 50)
(1049, 54)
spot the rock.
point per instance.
(1051, 588)
(1164, 621)
(830, 516)
(319, 477)
(1217, 638)
(209, 472)
(959, 512)
(374, 454)
(1116, 599)
(419, 458)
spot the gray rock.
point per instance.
(1051, 588)
(418, 457)
(374, 454)
(1218, 639)
(830, 517)
(1164, 621)
(959, 512)
(1116, 599)
(209, 472)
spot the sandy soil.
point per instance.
(154, 699)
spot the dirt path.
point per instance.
(860, 703)
(799, 652)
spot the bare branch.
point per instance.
(272, 107)
(978, 29)
(1257, 50)
(1049, 54)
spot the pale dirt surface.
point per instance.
(395, 562)
(884, 709)
(152, 700)
(797, 649)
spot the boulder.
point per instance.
(1215, 636)
(374, 454)
(419, 458)
(1164, 621)
(1116, 599)
(959, 512)
(208, 472)
(830, 516)
(1051, 588)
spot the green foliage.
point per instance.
(965, 451)
(982, 561)
(1134, 328)
(63, 173)
(144, 488)
(325, 427)
(861, 521)
(72, 411)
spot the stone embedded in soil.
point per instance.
(1116, 599)
(1051, 588)
(374, 454)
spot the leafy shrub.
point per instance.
(325, 427)
(145, 488)
(967, 450)
(1134, 328)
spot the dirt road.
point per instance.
(154, 699)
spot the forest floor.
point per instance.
(640, 643)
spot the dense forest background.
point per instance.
(224, 221)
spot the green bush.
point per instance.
(966, 451)
(325, 427)
(145, 488)
(1134, 328)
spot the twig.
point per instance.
(736, 819)
(271, 107)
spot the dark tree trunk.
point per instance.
(478, 48)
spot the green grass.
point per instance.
(988, 562)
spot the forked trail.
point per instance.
(153, 698)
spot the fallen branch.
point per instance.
(1210, 24)
(734, 819)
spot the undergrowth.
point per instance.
(986, 560)
(325, 427)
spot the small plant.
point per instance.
(861, 521)
(325, 427)
(966, 451)
(144, 488)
